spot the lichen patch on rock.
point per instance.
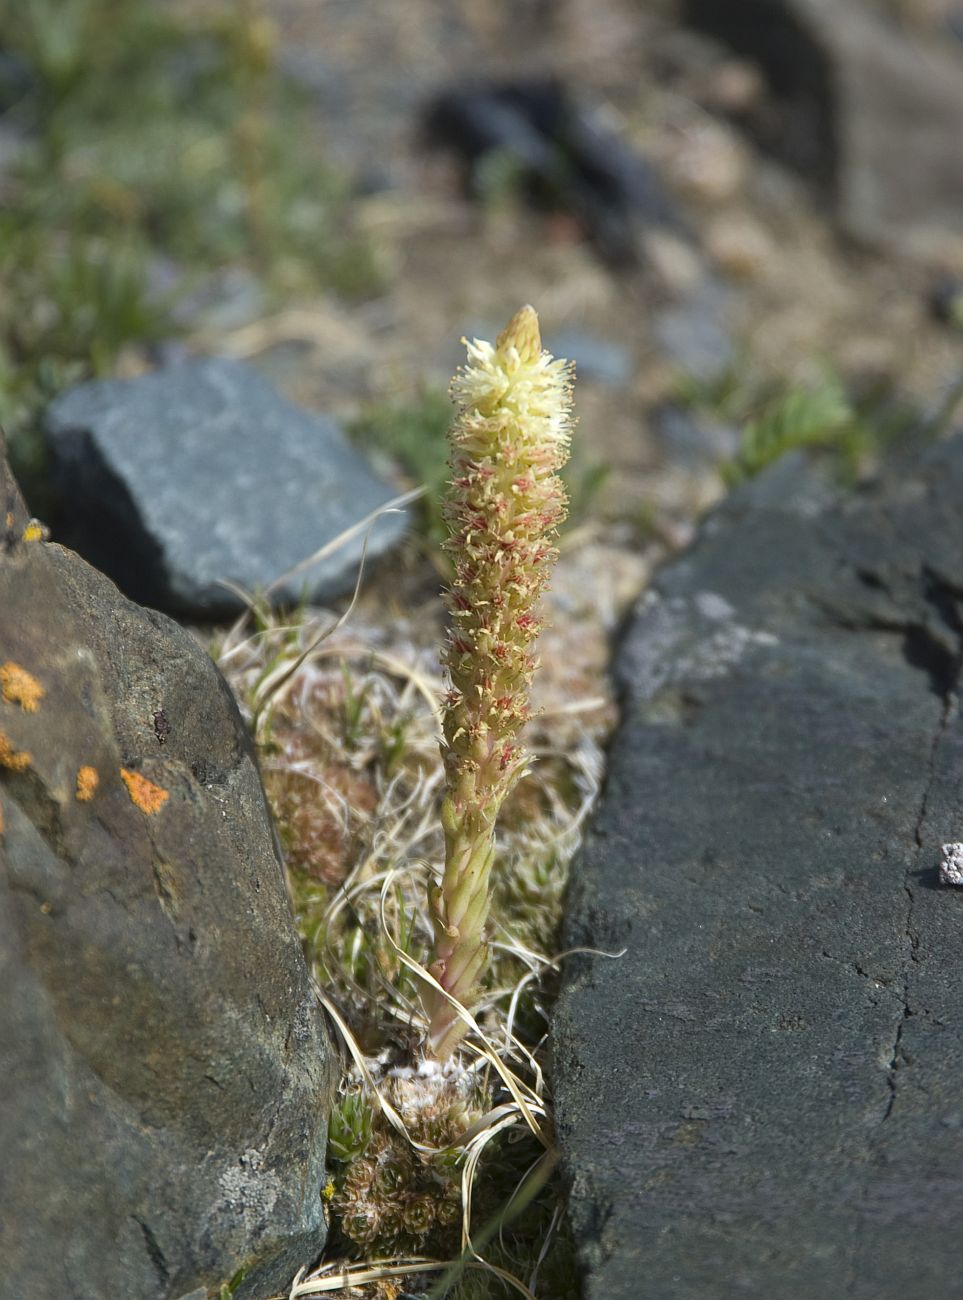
(88, 780)
(20, 687)
(144, 794)
(13, 759)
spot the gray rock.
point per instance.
(859, 104)
(689, 438)
(761, 1097)
(166, 1071)
(13, 143)
(603, 360)
(224, 300)
(694, 335)
(177, 481)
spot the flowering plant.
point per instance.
(509, 438)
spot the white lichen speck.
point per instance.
(951, 867)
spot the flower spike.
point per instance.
(509, 439)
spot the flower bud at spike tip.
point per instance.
(509, 438)
(521, 333)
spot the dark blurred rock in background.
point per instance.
(869, 112)
(562, 155)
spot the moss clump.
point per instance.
(322, 827)
(395, 1196)
(394, 1202)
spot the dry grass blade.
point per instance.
(335, 1277)
(393, 506)
(353, 1275)
(543, 964)
(469, 1169)
(428, 689)
(532, 1182)
(275, 682)
(237, 647)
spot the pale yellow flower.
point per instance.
(505, 503)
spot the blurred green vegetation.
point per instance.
(799, 417)
(228, 1288)
(852, 426)
(149, 147)
(413, 433)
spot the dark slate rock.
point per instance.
(166, 1072)
(563, 153)
(858, 104)
(200, 473)
(761, 1098)
(17, 80)
(946, 300)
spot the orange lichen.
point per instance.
(144, 794)
(20, 687)
(88, 780)
(13, 759)
(33, 532)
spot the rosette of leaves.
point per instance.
(394, 1196)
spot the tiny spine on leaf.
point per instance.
(505, 502)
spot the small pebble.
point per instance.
(708, 164)
(739, 246)
(737, 87)
(951, 867)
